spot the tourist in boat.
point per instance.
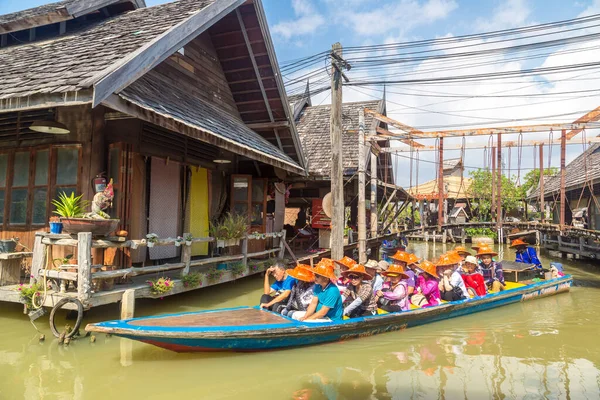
(375, 269)
(525, 253)
(428, 292)
(302, 292)
(393, 296)
(462, 252)
(344, 264)
(490, 269)
(402, 258)
(276, 295)
(359, 299)
(451, 285)
(473, 277)
(326, 304)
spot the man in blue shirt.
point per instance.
(276, 295)
(525, 254)
(326, 304)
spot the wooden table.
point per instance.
(10, 267)
(510, 267)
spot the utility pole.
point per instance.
(499, 190)
(335, 132)
(373, 193)
(362, 212)
(542, 206)
(441, 185)
(563, 156)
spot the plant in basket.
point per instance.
(178, 241)
(28, 294)
(213, 275)
(237, 269)
(151, 239)
(229, 230)
(188, 239)
(192, 280)
(160, 286)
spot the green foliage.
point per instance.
(231, 226)
(70, 206)
(160, 286)
(531, 180)
(192, 280)
(28, 292)
(479, 232)
(237, 269)
(481, 192)
(214, 274)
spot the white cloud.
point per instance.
(508, 14)
(308, 21)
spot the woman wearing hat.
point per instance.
(472, 277)
(375, 269)
(345, 263)
(402, 258)
(326, 304)
(359, 299)
(462, 252)
(302, 293)
(394, 294)
(525, 253)
(451, 286)
(491, 270)
(428, 292)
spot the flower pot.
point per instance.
(7, 246)
(99, 227)
(232, 242)
(178, 244)
(482, 239)
(188, 242)
(220, 243)
(222, 266)
(150, 244)
(56, 227)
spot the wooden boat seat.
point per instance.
(241, 317)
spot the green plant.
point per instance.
(231, 226)
(57, 262)
(192, 280)
(70, 206)
(478, 232)
(237, 269)
(28, 292)
(213, 274)
(160, 286)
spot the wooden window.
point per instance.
(249, 198)
(3, 176)
(20, 188)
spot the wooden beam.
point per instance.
(408, 129)
(409, 142)
(119, 75)
(592, 116)
(268, 125)
(509, 143)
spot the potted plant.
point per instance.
(188, 239)
(71, 210)
(151, 239)
(178, 241)
(237, 269)
(191, 280)
(229, 230)
(56, 226)
(28, 292)
(160, 286)
(214, 274)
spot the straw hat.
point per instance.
(479, 245)
(471, 259)
(413, 259)
(518, 242)
(462, 249)
(302, 273)
(358, 270)
(305, 266)
(324, 269)
(429, 267)
(346, 262)
(372, 264)
(486, 251)
(448, 259)
(401, 256)
(395, 269)
(383, 266)
(327, 261)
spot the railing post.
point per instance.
(84, 267)
(39, 257)
(186, 257)
(282, 246)
(245, 251)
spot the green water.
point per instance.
(547, 348)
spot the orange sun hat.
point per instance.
(413, 259)
(429, 267)
(401, 256)
(346, 262)
(448, 259)
(323, 268)
(358, 269)
(302, 273)
(477, 246)
(462, 249)
(395, 270)
(518, 242)
(486, 251)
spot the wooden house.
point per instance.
(181, 104)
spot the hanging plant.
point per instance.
(151, 239)
(237, 269)
(214, 274)
(160, 286)
(191, 280)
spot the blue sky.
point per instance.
(305, 27)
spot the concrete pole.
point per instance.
(362, 212)
(441, 185)
(542, 205)
(337, 178)
(373, 194)
(563, 147)
(499, 186)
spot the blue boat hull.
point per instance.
(281, 332)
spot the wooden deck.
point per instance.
(241, 317)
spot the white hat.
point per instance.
(371, 264)
(383, 265)
(471, 259)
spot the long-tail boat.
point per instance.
(254, 329)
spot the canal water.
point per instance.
(547, 348)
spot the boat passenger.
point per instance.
(491, 270)
(473, 277)
(451, 285)
(393, 296)
(462, 252)
(302, 293)
(525, 253)
(345, 263)
(402, 258)
(359, 299)
(375, 269)
(326, 304)
(276, 295)
(428, 292)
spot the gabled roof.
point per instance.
(455, 187)
(585, 168)
(451, 163)
(55, 12)
(313, 128)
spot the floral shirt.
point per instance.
(398, 295)
(364, 292)
(300, 297)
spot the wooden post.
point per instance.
(279, 210)
(362, 212)
(441, 184)
(374, 219)
(186, 257)
(542, 194)
(282, 246)
(245, 250)
(128, 303)
(84, 267)
(563, 147)
(337, 177)
(499, 186)
(39, 257)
